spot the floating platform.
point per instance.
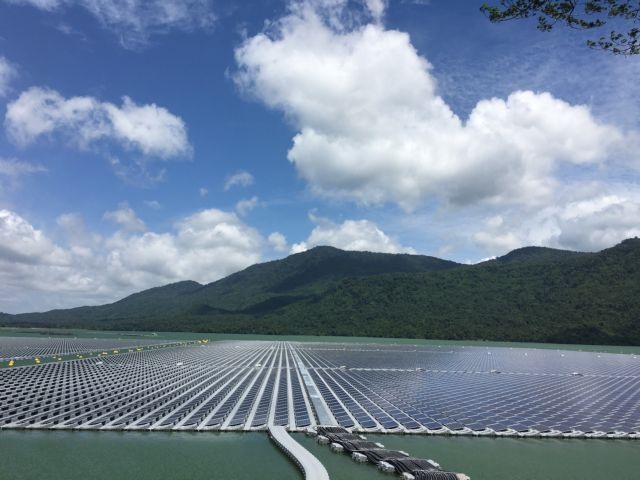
(311, 467)
(251, 385)
(388, 461)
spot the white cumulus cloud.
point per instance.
(241, 179)
(583, 218)
(372, 127)
(78, 237)
(22, 243)
(205, 246)
(149, 129)
(598, 222)
(376, 7)
(125, 218)
(244, 206)
(362, 235)
(39, 273)
(278, 242)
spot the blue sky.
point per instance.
(150, 142)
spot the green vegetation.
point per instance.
(578, 14)
(531, 294)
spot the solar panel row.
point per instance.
(30, 347)
(249, 385)
(468, 401)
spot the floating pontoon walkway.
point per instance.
(310, 465)
(389, 461)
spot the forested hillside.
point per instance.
(530, 294)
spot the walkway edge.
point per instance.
(311, 467)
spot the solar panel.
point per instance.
(235, 384)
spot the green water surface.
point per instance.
(79, 333)
(73, 455)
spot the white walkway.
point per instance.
(310, 465)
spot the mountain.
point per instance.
(530, 294)
(536, 254)
(573, 298)
(307, 274)
(157, 301)
(265, 285)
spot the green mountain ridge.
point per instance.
(531, 294)
(298, 276)
(537, 254)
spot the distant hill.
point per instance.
(265, 285)
(530, 294)
(536, 254)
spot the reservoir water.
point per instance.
(73, 455)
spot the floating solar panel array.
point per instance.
(364, 388)
(227, 385)
(481, 391)
(29, 347)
